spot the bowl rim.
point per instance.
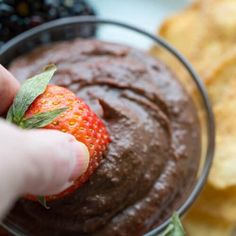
(161, 42)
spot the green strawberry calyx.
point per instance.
(29, 91)
(175, 227)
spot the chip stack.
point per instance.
(208, 30)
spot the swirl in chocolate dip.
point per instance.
(155, 149)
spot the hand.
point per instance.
(37, 162)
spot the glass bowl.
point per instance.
(113, 31)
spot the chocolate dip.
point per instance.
(153, 158)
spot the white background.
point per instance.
(145, 14)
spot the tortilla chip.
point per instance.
(205, 225)
(221, 84)
(221, 80)
(220, 204)
(203, 33)
(184, 31)
(222, 17)
(223, 172)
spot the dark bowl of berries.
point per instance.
(18, 16)
(149, 129)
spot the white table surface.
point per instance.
(145, 14)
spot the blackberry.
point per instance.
(17, 16)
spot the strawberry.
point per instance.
(78, 120)
(55, 107)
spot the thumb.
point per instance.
(55, 159)
(37, 162)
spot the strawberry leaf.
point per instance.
(43, 202)
(41, 119)
(28, 92)
(175, 228)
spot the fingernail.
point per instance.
(82, 160)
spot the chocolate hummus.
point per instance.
(155, 149)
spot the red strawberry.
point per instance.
(54, 107)
(78, 120)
